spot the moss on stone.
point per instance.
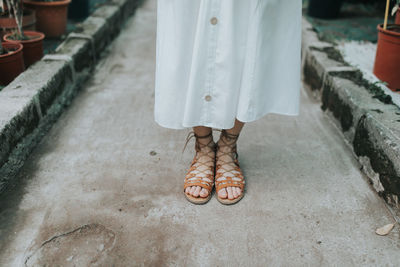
(332, 53)
(311, 77)
(356, 76)
(380, 162)
(341, 110)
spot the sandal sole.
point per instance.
(198, 200)
(227, 201)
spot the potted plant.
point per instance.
(324, 9)
(51, 15)
(11, 60)
(7, 22)
(387, 59)
(396, 10)
(32, 41)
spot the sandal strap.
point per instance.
(225, 166)
(198, 145)
(228, 182)
(192, 178)
(199, 182)
(228, 137)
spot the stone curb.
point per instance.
(34, 100)
(369, 120)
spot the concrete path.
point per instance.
(104, 188)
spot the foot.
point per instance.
(203, 167)
(226, 155)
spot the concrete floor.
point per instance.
(93, 194)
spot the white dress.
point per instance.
(217, 60)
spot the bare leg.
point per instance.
(202, 130)
(237, 128)
(230, 192)
(203, 157)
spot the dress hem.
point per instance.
(213, 125)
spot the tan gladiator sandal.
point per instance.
(193, 178)
(222, 168)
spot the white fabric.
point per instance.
(243, 66)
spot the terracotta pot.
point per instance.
(51, 17)
(387, 59)
(28, 22)
(33, 49)
(397, 19)
(11, 64)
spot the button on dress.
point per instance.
(217, 60)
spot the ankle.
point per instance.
(205, 142)
(226, 143)
(205, 148)
(228, 136)
(224, 140)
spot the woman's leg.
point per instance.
(203, 157)
(230, 192)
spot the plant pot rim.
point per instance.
(387, 31)
(42, 3)
(29, 33)
(19, 49)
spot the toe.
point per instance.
(238, 190)
(197, 191)
(230, 195)
(234, 192)
(192, 189)
(222, 193)
(204, 192)
(187, 190)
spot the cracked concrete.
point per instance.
(105, 186)
(95, 238)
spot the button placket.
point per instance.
(211, 56)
